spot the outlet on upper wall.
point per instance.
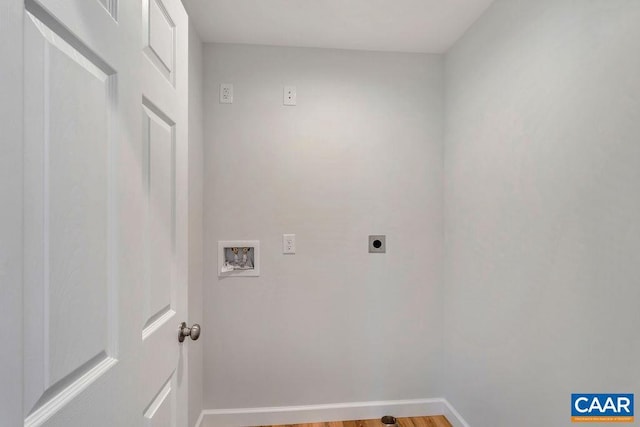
(288, 243)
(226, 93)
(289, 96)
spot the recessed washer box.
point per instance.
(238, 258)
(377, 244)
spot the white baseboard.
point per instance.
(453, 416)
(331, 412)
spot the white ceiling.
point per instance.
(430, 26)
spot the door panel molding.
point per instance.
(159, 32)
(60, 394)
(70, 274)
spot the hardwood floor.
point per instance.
(436, 421)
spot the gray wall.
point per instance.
(360, 154)
(195, 349)
(542, 174)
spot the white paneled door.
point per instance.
(96, 264)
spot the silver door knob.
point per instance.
(192, 332)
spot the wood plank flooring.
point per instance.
(436, 421)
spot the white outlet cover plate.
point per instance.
(226, 93)
(290, 97)
(288, 243)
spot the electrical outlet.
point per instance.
(288, 243)
(226, 93)
(377, 244)
(290, 96)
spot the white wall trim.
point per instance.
(200, 418)
(329, 412)
(453, 416)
